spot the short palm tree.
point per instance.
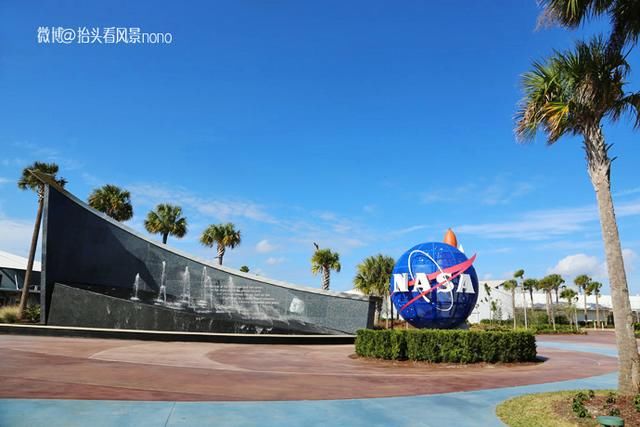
(582, 282)
(323, 261)
(546, 284)
(166, 220)
(530, 285)
(570, 295)
(113, 201)
(511, 286)
(372, 278)
(519, 276)
(223, 236)
(594, 289)
(28, 181)
(572, 93)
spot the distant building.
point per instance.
(12, 272)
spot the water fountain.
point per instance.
(185, 298)
(136, 286)
(162, 293)
(202, 305)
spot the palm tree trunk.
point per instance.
(546, 300)
(597, 310)
(599, 172)
(165, 236)
(524, 308)
(513, 306)
(326, 277)
(550, 308)
(24, 296)
(585, 306)
(391, 311)
(221, 251)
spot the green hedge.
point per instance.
(455, 346)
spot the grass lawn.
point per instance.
(540, 410)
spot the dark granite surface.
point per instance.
(86, 250)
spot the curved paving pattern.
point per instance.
(75, 368)
(464, 409)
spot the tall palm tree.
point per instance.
(623, 14)
(372, 278)
(571, 93)
(223, 236)
(28, 181)
(582, 282)
(594, 288)
(323, 261)
(167, 220)
(511, 285)
(113, 201)
(519, 276)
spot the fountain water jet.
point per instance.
(186, 288)
(136, 285)
(162, 293)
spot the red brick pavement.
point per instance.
(82, 368)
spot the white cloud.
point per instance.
(574, 265)
(264, 246)
(148, 194)
(546, 224)
(500, 190)
(275, 260)
(16, 235)
(4, 180)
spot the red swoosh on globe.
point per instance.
(460, 268)
(453, 269)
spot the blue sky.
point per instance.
(365, 126)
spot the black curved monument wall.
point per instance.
(91, 265)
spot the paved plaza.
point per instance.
(67, 381)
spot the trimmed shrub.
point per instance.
(9, 314)
(32, 313)
(447, 346)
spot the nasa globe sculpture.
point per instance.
(434, 285)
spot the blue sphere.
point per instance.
(434, 285)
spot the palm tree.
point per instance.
(113, 201)
(546, 284)
(529, 285)
(372, 278)
(511, 285)
(167, 220)
(571, 93)
(519, 276)
(556, 281)
(582, 282)
(244, 269)
(28, 181)
(594, 288)
(223, 236)
(623, 14)
(569, 294)
(323, 261)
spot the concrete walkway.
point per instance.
(471, 408)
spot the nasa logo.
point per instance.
(434, 285)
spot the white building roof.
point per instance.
(16, 262)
